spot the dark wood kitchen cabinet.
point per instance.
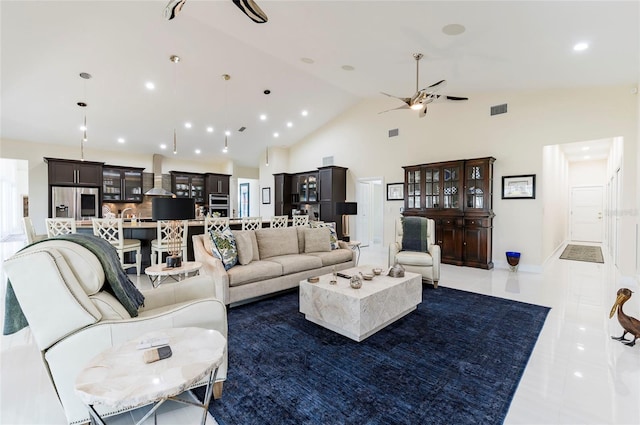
(121, 184)
(458, 196)
(188, 185)
(66, 172)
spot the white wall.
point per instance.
(588, 173)
(359, 141)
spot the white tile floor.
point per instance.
(576, 374)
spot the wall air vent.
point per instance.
(499, 109)
(394, 132)
(327, 160)
(241, 129)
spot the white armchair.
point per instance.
(426, 263)
(59, 286)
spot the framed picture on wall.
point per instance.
(395, 191)
(266, 195)
(519, 187)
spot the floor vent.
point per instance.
(327, 160)
(394, 132)
(499, 109)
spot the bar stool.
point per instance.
(60, 226)
(111, 230)
(300, 220)
(165, 235)
(30, 231)
(278, 221)
(251, 223)
(216, 223)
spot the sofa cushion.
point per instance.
(317, 239)
(224, 247)
(294, 263)
(254, 242)
(244, 246)
(275, 242)
(336, 256)
(257, 270)
(332, 228)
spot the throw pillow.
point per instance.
(245, 247)
(224, 247)
(333, 235)
(414, 234)
(317, 239)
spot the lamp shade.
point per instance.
(346, 208)
(173, 208)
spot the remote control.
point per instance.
(153, 342)
(346, 276)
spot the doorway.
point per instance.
(243, 207)
(369, 221)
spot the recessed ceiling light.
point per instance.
(149, 85)
(307, 60)
(197, 151)
(348, 67)
(209, 129)
(577, 374)
(187, 125)
(304, 112)
(276, 134)
(579, 47)
(586, 148)
(453, 29)
(263, 117)
(587, 157)
(163, 146)
(289, 124)
(120, 140)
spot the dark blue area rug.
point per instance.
(457, 359)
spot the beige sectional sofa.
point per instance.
(271, 260)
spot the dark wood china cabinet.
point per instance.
(458, 196)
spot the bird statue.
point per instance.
(629, 324)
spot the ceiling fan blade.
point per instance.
(393, 109)
(439, 84)
(423, 111)
(404, 99)
(456, 98)
(439, 98)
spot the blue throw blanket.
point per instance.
(117, 281)
(414, 234)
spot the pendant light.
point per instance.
(83, 104)
(175, 59)
(226, 77)
(267, 163)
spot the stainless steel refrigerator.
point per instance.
(80, 203)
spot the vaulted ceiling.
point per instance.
(319, 56)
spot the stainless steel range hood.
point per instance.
(157, 189)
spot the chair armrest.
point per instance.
(394, 248)
(194, 288)
(213, 267)
(434, 250)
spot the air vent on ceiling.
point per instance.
(327, 160)
(499, 109)
(394, 132)
(241, 129)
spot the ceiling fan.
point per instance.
(248, 7)
(423, 97)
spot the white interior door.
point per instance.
(369, 221)
(586, 214)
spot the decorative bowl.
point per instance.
(355, 282)
(377, 271)
(366, 276)
(313, 279)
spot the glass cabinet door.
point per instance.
(451, 187)
(132, 186)
(476, 182)
(432, 187)
(197, 189)
(413, 189)
(111, 185)
(312, 189)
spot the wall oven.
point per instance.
(219, 204)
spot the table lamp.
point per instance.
(345, 209)
(173, 210)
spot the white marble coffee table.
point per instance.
(359, 313)
(119, 377)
